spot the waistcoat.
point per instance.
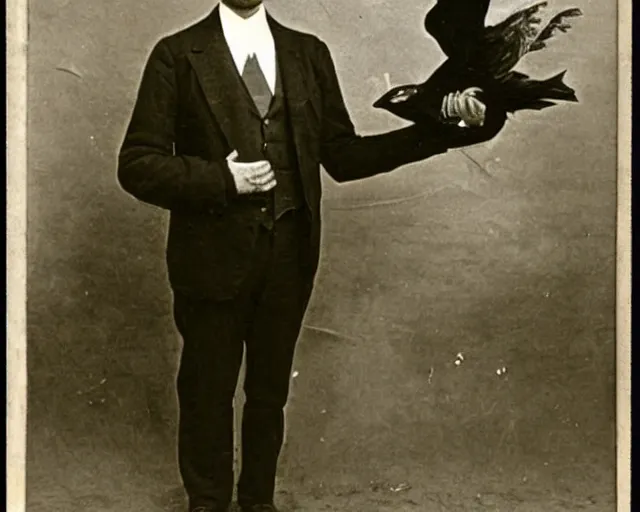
(268, 136)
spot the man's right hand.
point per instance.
(251, 177)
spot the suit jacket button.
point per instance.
(266, 122)
(263, 209)
(264, 146)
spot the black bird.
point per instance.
(483, 56)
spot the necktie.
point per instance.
(257, 84)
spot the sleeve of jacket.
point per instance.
(348, 156)
(147, 167)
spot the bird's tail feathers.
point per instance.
(555, 88)
(533, 105)
(537, 94)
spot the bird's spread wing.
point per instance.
(505, 43)
(457, 25)
(558, 22)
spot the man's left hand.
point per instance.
(464, 106)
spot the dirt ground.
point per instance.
(511, 275)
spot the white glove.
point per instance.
(251, 177)
(464, 107)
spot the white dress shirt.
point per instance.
(246, 37)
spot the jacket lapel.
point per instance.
(214, 66)
(289, 59)
(294, 85)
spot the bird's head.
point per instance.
(396, 97)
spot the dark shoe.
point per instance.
(208, 509)
(260, 508)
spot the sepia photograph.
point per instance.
(312, 255)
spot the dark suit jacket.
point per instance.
(182, 129)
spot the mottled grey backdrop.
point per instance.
(514, 271)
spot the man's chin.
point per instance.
(242, 5)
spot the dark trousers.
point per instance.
(266, 317)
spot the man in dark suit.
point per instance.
(233, 118)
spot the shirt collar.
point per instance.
(235, 26)
(250, 36)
